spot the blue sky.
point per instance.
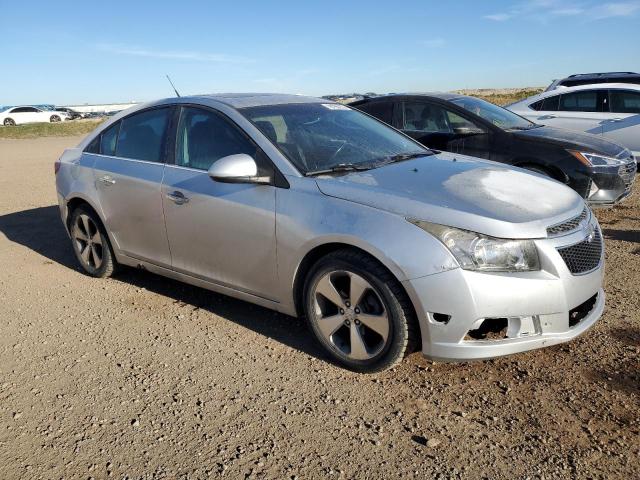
(77, 52)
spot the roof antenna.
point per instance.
(174, 87)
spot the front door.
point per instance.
(580, 111)
(128, 175)
(219, 232)
(442, 129)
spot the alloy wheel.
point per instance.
(8, 122)
(88, 242)
(350, 315)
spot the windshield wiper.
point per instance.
(341, 167)
(528, 127)
(401, 157)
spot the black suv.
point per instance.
(599, 170)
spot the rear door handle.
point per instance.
(107, 180)
(177, 197)
(612, 120)
(546, 117)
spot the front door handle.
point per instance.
(107, 180)
(177, 197)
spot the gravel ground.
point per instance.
(143, 377)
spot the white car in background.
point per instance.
(27, 114)
(611, 110)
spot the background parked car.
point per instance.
(611, 110)
(591, 78)
(20, 115)
(73, 115)
(599, 170)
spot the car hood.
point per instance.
(463, 192)
(584, 142)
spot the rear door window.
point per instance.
(583, 101)
(142, 135)
(624, 101)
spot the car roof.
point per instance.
(560, 90)
(243, 100)
(594, 76)
(438, 95)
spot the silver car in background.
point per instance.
(610, 110)
(313, 209)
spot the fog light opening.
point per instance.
(489, 329)
(440, 318)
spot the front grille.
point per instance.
(585, 256)
(569, 225)
(628, 174)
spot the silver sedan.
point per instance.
(313, 209)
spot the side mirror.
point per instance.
(238, 168)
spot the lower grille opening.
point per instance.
(577, 314)
(490, 329)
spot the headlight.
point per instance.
(480, 252)
(596, 160)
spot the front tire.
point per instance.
(359, 312)
(54, 118)
(91, 243)
(9, 122)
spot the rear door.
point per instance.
(219, 232)
(128, 174)
(580, 111)
(622, 123)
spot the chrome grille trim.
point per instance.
(569, 225)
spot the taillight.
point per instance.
(56, 166)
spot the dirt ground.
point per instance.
(143, 377)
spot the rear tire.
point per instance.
(359, 312)
(91, 243)
(54, 118)
(9, 122)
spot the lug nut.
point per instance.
(357, 322)
(347, 323)
(357, 310)
(347, 303)
(342, 311)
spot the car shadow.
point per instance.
(41, 230)
(623, 376)
(632, 236)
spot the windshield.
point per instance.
(319, 136)
(499, 116)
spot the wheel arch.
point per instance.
(77, 200)
(553, 171)
(319, 251)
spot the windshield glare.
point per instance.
(318, 136)
(499, 116)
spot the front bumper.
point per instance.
(613, 183)
(537, 306)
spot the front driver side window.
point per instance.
(204, 137)
(425, 117)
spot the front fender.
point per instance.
(307, 219)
